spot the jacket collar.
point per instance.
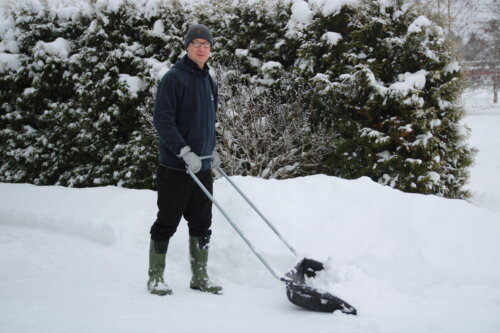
(191, 66)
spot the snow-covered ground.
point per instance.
(75, 260)
(483, 117)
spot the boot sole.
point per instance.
(219, 292)
(161, 292)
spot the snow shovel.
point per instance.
(297, 291)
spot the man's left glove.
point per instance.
(215, 160)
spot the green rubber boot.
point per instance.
(198, 249)
(157, 254)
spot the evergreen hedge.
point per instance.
(370, 87)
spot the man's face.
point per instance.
(199, 55)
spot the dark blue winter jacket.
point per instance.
(184, 113)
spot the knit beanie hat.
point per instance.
(198, 31)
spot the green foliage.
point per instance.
(78, 122)
(34, 91)
(372, 89)
(390, 93)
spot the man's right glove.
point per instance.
(192, 160)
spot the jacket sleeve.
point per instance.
(164, 114)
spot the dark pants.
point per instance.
(179, 195)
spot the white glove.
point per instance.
(192, 160)
(215, 160)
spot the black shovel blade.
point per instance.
(311, 298)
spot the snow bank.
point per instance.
(92, 213)
(409, 263)
(352, 221)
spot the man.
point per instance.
(184, 117)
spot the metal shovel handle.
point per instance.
(231, 222)
(262, 216)
(219, 169)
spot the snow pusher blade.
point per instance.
(299, 293)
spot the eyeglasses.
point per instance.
(198, 44)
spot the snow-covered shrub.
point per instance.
(75, 107)
(250, 33)
(265, 132)
(32, 94)
(388, 84)
(109, 91)
(348, 88)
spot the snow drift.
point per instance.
(393, 255)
